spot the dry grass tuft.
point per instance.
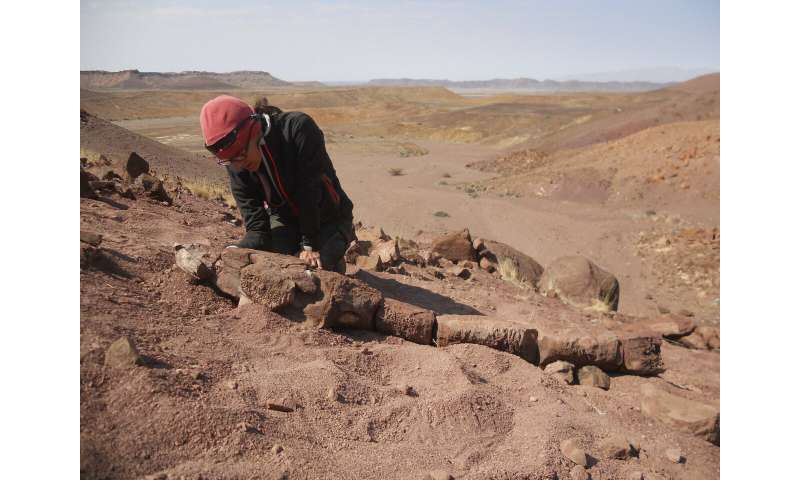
(509, 272)
(209, 190)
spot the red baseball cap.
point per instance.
(219, 117)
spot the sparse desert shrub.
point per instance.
(396, 172)
(509, 272)
(209, 191)
(446, 175)
(440, 213)
(412, 150)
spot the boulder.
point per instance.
(615, 447)
(683, 414)
(593, 377)
(122, 354)
(407, 321)
(570, 449)
(580, 283)
(513, 265)
(499, 334)
(454, 246)
(564, 371)
(135, 166)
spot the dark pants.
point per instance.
(335, 237)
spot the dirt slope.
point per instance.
(363, 405)
(99, 136)
(198, 406)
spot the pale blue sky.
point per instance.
(359, 40)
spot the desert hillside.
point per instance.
(534, 292)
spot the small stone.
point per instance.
(276, 449)
(277, 407)
(122, 353)
(91, 238)
(593, 377)
(674, 455)
(561, 370)
(191, 264)
(615, 446)
(233, 384)
(459, 271)
(571, 450)
(486, 264)
(438, 475)
(405, 389)
(197, 375)
(332, 395)
(365, 351)
(636, 475)
(685, 313)
(579, 473)
(477, 244)
(244, 427)
(533, 399)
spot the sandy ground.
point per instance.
(365, 405)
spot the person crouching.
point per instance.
(282, 179)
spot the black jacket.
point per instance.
(304, 188)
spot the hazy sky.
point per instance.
(360, 40)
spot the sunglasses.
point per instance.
(227, 141)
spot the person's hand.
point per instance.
(311, 258)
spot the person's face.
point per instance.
(250, 158)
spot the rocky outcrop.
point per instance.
(580, 283)
(683, 414)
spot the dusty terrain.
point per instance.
(629, 181)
